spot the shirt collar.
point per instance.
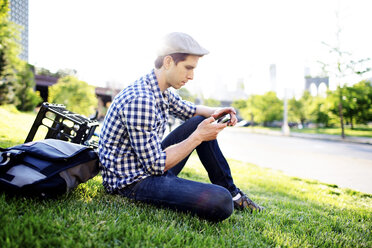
(161, 97)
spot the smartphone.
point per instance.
(223, 119)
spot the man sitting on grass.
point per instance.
(138, 164)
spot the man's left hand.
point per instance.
(223, 111)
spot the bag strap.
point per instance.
(52, 149)
(9, 157)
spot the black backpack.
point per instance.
(46, 168)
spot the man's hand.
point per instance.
(223, 111)
(207, 130)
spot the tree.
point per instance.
(343, 66)
(211, 102)
(356, 102)
(261, 108)
(10, 48)
(26, 97)
(16, 77)
(246, 108)
(76, 95)
(240, 105)
(359, 103)
(350, 105)
(320, 111)
(299, 109)
(186, 94)
(267, 108)
(252, 110)
(60, 73)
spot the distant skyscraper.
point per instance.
(19, 15)
(273, 77)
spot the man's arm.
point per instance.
(205, 131)
(205, 111)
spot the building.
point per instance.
(19, 15)
(273, 77)
(42, 83)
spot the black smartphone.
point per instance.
(223, 118)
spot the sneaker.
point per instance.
(242, 202)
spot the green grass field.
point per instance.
(299, 212)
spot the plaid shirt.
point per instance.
(130, 140)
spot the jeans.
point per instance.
(209, 201)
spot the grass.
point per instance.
(358, 131)
(299, 213)
(14, 125)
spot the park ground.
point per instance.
(299, 212)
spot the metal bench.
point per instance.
(64, 125)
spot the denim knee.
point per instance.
(220, 205)
(198, 118)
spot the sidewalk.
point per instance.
(352, 139)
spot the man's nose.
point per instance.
(190, 75)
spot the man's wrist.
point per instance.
(195, 139)
(205, 111)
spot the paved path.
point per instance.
(357, 140)
(327, 159)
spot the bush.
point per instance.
(76, 95)
(26, 99)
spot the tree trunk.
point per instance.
(340, 112)
(341, 118)
(351, 122)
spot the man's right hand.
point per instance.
(207, 130)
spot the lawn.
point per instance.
(299, 212)
(14, 125)
(357, 131)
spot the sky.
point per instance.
(114, 42)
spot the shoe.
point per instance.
(242, 202)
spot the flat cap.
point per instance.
(178, 42)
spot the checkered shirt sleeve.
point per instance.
(180, 108)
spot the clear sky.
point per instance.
(115, 40)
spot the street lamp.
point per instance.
(285, 127)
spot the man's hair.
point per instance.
(177, 57)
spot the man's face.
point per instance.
(178, 75)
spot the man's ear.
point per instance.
(167, 61)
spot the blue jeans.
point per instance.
(209, 201)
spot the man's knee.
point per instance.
(220, 205)
(198, 118)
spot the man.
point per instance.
(138, 164)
